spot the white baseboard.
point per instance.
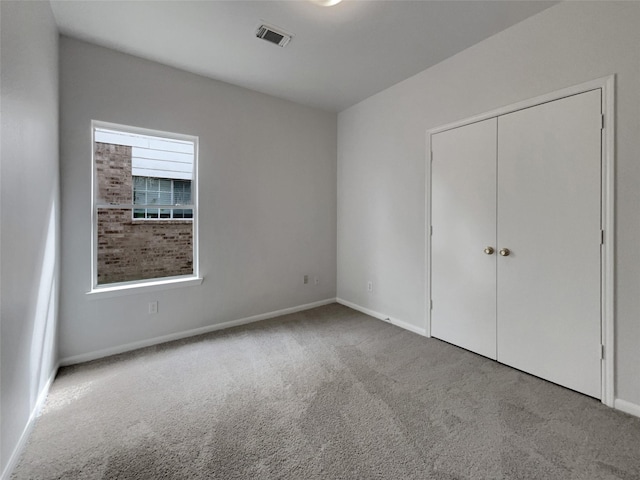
(86, 357)
(383, 317)
(627, 407)
(26, 432)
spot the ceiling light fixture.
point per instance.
(327, 3)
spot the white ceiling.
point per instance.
(339, 55)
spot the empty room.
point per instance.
(319, 239)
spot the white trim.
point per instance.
(608, 224)
(28, 428)
(381, 316)
(607, 84)
(86, 357)
(93, 280)
(134, 288)
(627, 407)
(195, 198)
(427, 238)
(119, 127)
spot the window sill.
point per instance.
(142, 287)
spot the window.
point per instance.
(144, 206)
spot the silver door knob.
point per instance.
(505, 252)
(489, 250)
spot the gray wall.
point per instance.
(267, 197)
(381, 155)
(28, 212)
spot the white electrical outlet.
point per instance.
(305, 280)
(316, 280)
(369, 286)
(153, 307)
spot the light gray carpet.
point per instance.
(326, 393)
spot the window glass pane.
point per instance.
(182, 191)
(123, 253)
(139, 183)
(165, 198)
(136, 169)
(153, 198)
(165, 185)
(139, 197)
(187, 193)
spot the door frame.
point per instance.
(607, 214)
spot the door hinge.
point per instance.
(601, 237)
(602, 122)
(431, 304)
(431, 230)
(601, 352)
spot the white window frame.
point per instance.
(150, 284)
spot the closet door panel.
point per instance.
(463, 277)
(549, 204)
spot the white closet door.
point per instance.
(549, 204)
(463, 277)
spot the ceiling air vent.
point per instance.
(273, 35)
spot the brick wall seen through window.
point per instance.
(144, 207)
